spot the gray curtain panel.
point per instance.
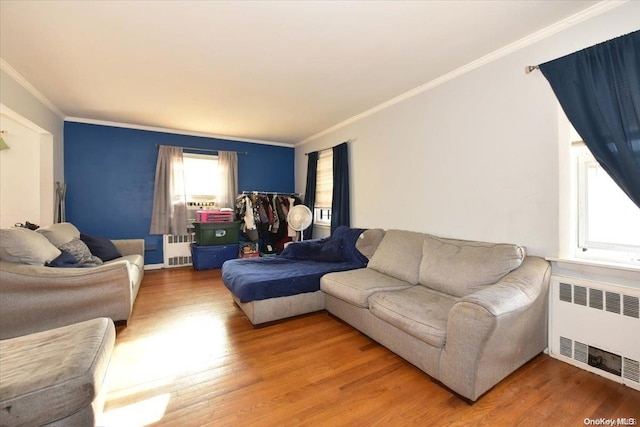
(169, 215)
(228, 169)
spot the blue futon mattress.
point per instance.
(297, 270)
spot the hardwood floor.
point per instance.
(189, 357)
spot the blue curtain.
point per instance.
(340, 212)
(599, 90)
(310, 188)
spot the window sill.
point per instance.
(597, 270)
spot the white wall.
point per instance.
(473, 158)
(19, 174)
(22, 106)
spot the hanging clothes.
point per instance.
(276, 217)
(245, 212)
(264, 217)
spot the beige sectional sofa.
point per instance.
(466, 313)
(34, 297)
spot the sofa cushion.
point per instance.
(460, 267)
(101, 247)
(26, 246)
(399, 255)
(356, 286)
(369, 241)
(59, 234)
(48, 376)
(418, 311)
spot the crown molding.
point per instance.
(8, 112)
(4, 66)
(174, 131)
(572, 20)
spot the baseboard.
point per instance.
(153, 266)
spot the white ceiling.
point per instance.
(278, 71)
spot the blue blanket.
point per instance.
(297, 270)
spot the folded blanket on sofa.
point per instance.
(296, 270)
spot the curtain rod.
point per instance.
(529, 68)
(203, 149)
(326, 149)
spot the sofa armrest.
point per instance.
(130, 246)
(35, 298)
(517, 290)
(496, 330)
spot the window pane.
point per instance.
(324, 179)
(201, 175)
(611, 216)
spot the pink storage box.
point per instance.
(214, 216)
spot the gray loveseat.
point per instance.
(466, 313)
(34, 297)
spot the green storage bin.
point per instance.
(216, 233)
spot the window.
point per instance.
(200, 178)
(324, 189)
(608, 222)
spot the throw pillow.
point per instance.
(101, 247)
(60, 233)
(65, 260)
(330, 251)
(78, 249)
(26, 246)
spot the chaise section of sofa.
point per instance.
(466, 313)
(274, 288)
(34, 297)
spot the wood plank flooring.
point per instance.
(189, 357)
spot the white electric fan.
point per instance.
(299, 218)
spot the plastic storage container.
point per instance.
(209, 257)
(214, 215)
(216, 233)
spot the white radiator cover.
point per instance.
(595, 325)
(176, 250)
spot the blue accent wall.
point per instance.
(110, 174)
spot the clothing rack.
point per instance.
(208, 150)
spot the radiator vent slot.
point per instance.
(580, 295)
(581, 352)
(566, 347)
(631, 369)
(613, 302)
(598, 299)
(601, 359)
(180, 238)
(631, 306)
(595, 298)
(177, 252)
(565, 292)
(178, 261)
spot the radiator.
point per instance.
(176, 249)
(596, 326)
